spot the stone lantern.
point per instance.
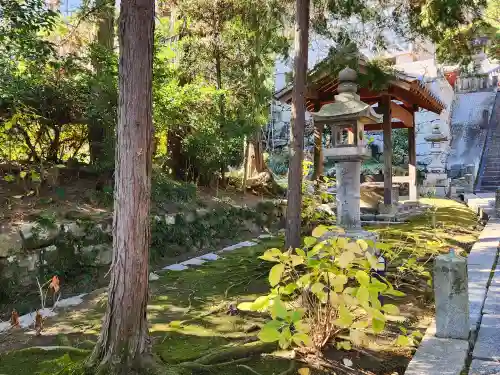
(437, 178)
(346, 118)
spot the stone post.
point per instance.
(452, 296)
(348, 194)
(497, 202)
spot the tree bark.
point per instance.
(318, 152)
(124, 344)
(293, 220)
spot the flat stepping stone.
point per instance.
(210, 256)
(437, 356)
(175, 267)
(153, 276)
(264, 236)
(477, 296)
(193, 262)
(488, 341)
(492, 304)
(239, 245)
(479, 367)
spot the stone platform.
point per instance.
(437, 356)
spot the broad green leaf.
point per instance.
(296, 260)
(296, 315)
(393, 292)
(362, 244)
(345, 345)
(271, 255)
(360, 324)
(319, 231)
(275, 324)
(269, 334)
(289, 288)
(417, 334)
(363, 296)
(261, 303)
(276, 273)
(378, 325)
(345, 316)
(341, 242)
(286, 336)
(363, 278)
(316, 249)
(300, 252)
(302, 327)
(278, 310)
(310, 241)
(403, 341)
(345, 259)
(268, 258)
(304, 370)
(304, 280)
(377, 285)
(390, 309)
(376, 314)
(317, 288)
(245, 306)
(23, 174)
(354, 247)
(338, 282)
(372, 259)
(301, 339)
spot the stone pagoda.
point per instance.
(346, 118)
(436, 181)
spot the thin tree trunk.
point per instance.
(318, 152)
(124, 344)
(105, 40)
(292, 237)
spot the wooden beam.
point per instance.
(402, 114)
(379, 127)
(412, 162)
(385, 105)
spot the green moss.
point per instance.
(39, 361)
(176, 347)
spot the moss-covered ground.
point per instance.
(189, 311)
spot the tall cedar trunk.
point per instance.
(124, 340)
(292, 238)
(105, 40)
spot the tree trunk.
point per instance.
(105, 40)
(124, 344)
(292, 238)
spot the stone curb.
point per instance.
(439, 356)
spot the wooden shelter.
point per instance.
(398, 103)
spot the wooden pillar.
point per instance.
(318, 146)
(412, 161)
(385, 103)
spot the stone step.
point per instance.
(479, 367)
(487, 347)
(493, 182)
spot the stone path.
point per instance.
(438, 356)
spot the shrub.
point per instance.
(327, 289)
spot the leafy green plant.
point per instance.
(323, 291)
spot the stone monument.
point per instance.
(436, 181)
(452, 296)
(346, 118)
